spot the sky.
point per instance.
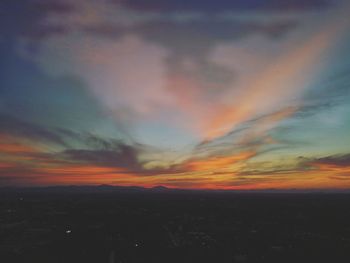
(195, 94)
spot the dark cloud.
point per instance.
(300, 164)
(95, 149)
(10, 125)
(201, 27)
(195, 39)
(27, 18)
(15, 127)
(108, 30)
(89, 140)
(268, 168)
(244, 138)
(272, 171)
(104, 152)
(310, 109)
(226, 5)
(125, 156)
(53, 6)
(336, 160)
(96, 142)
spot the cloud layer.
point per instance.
(185, 94)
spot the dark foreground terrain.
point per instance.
(161, 226)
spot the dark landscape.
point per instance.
(174, 131)
(110, 224)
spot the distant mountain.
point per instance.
(105, 188)
(160, 188)
(86, 189)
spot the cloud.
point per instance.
(269, 88)
(115, 71)
(60, 137)
(125, 157)
(25, 147)
(43, 19)
(213, 30)
(257, 134)
(274, 168)
(222, 5)
(108, 19)
(168, 59)
(217, 163)
(15, 127)
(334, 165)
(26, 19)
(333, 160)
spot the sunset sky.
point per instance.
(225, 94)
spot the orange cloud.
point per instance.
(9, 145)
(217, 162)
(79, 174)
(286, 78)
(23, 163)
